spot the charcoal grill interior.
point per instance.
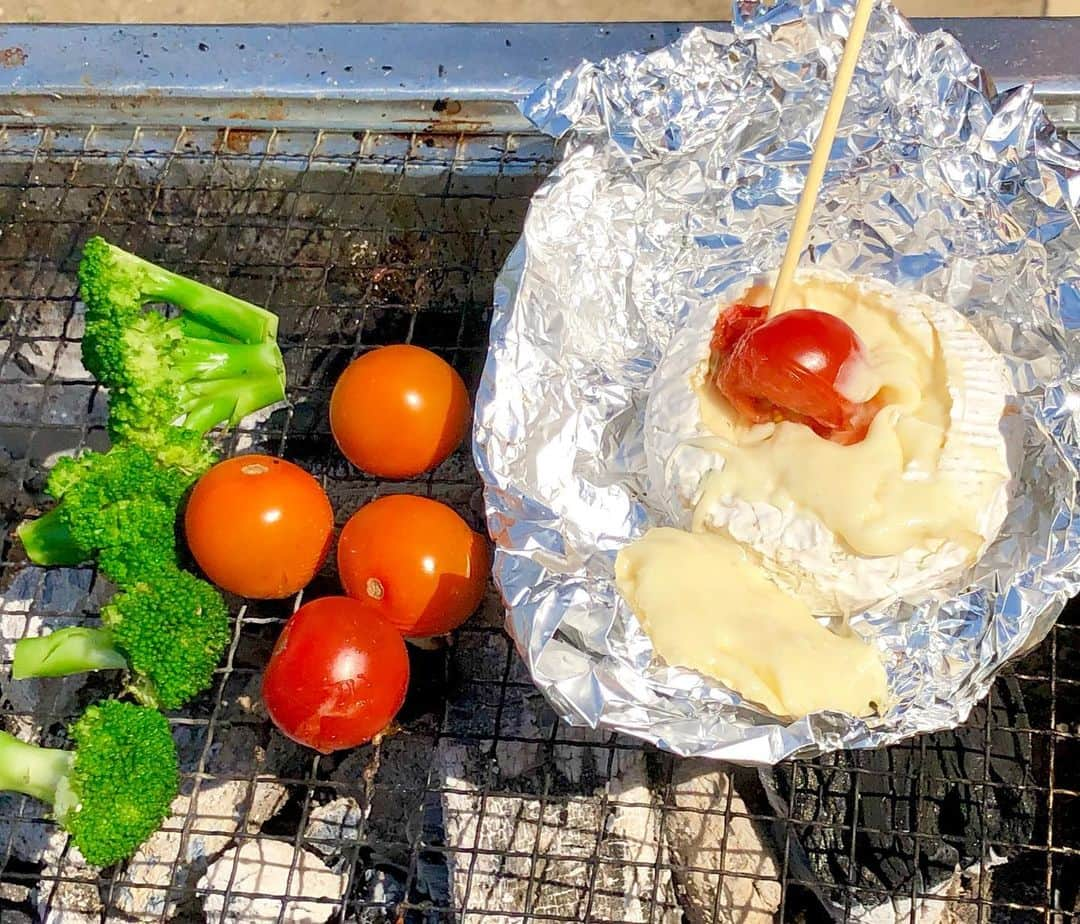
(483, 807)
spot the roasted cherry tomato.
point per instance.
(789, 367)
(399, 411)
(259, 526)
(417, 561)
(337, 676)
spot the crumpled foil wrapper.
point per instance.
(679, 181)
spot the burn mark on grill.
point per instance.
(12, 57)
(236, 140)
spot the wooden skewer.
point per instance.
(820, 159)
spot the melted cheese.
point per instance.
(707, 607)
(887, 493)
(780, 523)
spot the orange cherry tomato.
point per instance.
(417, 561)
(399, 411)
(259, 526)
(338, 675)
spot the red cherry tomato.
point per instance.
(337, 676)
(788, 367)
(417, 561)
(399, 411)
(258, 526)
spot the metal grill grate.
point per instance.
(483, 807)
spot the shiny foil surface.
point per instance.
(679, 181)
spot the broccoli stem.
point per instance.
(210, 403)
(32, 770)
(217, 311)
(74, 650)
(210, 360)
(48, 541)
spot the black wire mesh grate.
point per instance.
(483, 808)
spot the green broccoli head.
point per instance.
(172, 633)
(109, 283)
(174, 447)
(123, 780)
(114, 790)
(168, 634)
(124, 471)
(215, 363)
(119, 505)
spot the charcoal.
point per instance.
(14, 497)
(268, 880)
(163, 871)
(575, 825)
(716, 847)
(388, 781)
(432, 880)
(333, 827)
(931, 787)
(69, 891)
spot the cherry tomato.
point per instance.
(399, 411)
(788, 366)
(417, 561)
(337, 676)
(259, 526)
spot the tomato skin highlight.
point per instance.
(338, 675)
(417, 561)
(399, 411)
(788, 367)
(259, 526)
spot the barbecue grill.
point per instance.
(366, 183)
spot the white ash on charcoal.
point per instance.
(20, 402)
(954, 901)
(237, 795)
(726, 873)
(15, 893)
(935, 783)
(383, 892)
(26, 833)
(250, 436)
(332, 828)
(36, 602)
(575, 825)
(68, 891)
(16, 902)
(332, 832)
(377, 807)
(269, 880)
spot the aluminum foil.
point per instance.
(679, 180)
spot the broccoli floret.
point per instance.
(217, 362)
(119, 506)
(171, 446)
(169, 634)
(113, 791)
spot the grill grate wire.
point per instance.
(362, 239)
